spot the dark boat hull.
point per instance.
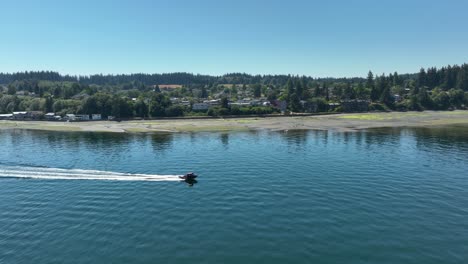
(187, 177)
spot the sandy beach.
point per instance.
(338, 122)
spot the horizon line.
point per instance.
(209, 75)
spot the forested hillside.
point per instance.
(174, 94)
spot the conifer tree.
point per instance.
(422, 78)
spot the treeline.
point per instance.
(445, 77)
(158, 79)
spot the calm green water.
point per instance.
(386, 196)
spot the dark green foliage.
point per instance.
(292, 96)
(235, 110)
(422, 78)
(11, 90)
(401, 106)
(349, 92)
(361, 91)
(257, 88)
(317, 91)
(378, 107)
(294, 103)
(370, 80)
(158, 105)
(456, 97)
(8, 103)
(272, 95)
(300, 86)
(462, 78)
(175, 110)
(441, 100)
(157, 89)
(374, 94)
(63, 107)
(121, 108)
(290, 89)
(100, 103)
(396, 79)
(424, 99)
(49, 103)
(386, 98)
(414, 103)
(224, 102)
(315, 105)
(141, 108)
(126, 96)
(218, 111)
(204, 92)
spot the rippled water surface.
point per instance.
(382, 196)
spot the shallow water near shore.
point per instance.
(376, 196)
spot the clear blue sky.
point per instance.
(315, 38)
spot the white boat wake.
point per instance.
(78, 174)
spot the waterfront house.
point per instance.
(185, 103)
(82, 117)
(200, 106)
(212, 102)
(6, 116)
(70, 117)
(239, 103)
(96, 117)
(20, 115)
(50, 116)
(333, 106)
(35, 115)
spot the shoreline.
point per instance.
(337, 122)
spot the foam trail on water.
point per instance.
(79, 174)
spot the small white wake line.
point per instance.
(74, 174)
(77, 171)
(64, 174)
(87, 178)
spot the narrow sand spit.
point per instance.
(338, 122)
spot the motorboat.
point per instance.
(189, 176)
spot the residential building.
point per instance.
(6, 116)
(20, 115)
(50, 116)
(70, 117)
(82, 117)
(200, 106)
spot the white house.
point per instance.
(82, 117)
(70, 117)
(6, 116)
(50, 116)
(19, 115)
(96, 117)
(200, 106)
(212, 102)
(185, 103)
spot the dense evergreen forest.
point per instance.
(174, 94)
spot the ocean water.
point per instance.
(380, 196)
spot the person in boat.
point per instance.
(189, 176)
